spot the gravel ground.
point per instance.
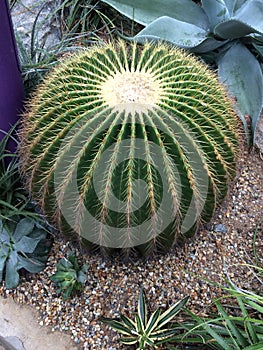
(113, 286)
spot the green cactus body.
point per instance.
(126, 146)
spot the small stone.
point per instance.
(221, 228)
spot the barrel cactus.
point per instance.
(126, 146)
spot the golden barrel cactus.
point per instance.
(126, 146)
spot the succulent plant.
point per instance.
(147, 331)
(228, 33)
(69, 276)
(22, 245)
(126, 146)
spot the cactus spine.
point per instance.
(126, 146)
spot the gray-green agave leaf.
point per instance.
(247, 19)
(145, 12)
(183, 34)
(241, 72)
(24, 247)
(216, 11)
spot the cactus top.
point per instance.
(126, 89)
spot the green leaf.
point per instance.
(142, 308)
(11, 274)
(67, 292)
(153, 321)
(179, 33)
(32, 265)
(216, 11)
(129, 340)
(232, 29)
(163, 335)
(248, 19)
(4, 236)
(230, 4)
(139, 325)
(82, 277)
(4, 248)
(259, 49)
(63, 276)
(236, 4)
(251, 13)
(240, 71)
(23, 228)
(64, 265)
(145, 12)
(254, 305)
(213, 331)
(250, 330)
(68, 284)
(168, 315)
(258, 346)
(128, 322)
(74, 261)
(208, 45)
(2, 265)
(232, 327)
(27, 245)
(118, 326)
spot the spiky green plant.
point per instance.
(69, 276)
(147, 331)
(128, 146)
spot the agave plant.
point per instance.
(147, 331)
(69, 276)
(126, 146)
(226, 32)
(22, 245)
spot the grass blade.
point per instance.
(234, 332)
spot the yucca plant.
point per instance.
(147, 331)
(128, 146)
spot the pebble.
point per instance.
(220, 228)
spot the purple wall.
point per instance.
(11, 86)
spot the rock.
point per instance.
(220, 228)
(25, 14)
(11, 343)
(19, 330)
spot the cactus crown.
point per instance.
(126, 146)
